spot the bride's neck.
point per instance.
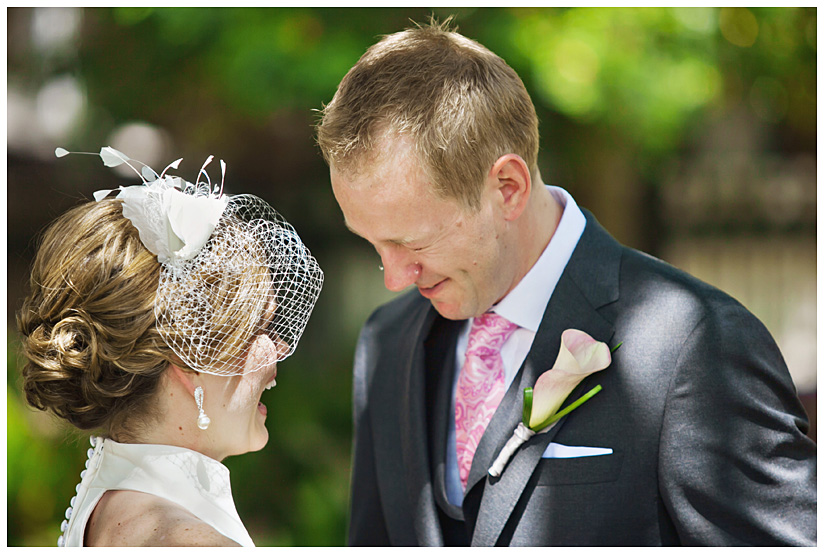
(171, 419)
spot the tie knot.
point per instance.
(488, 333)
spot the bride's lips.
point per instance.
(262, 408)
(430, 292)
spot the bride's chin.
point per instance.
(258, 447)
(260, 442)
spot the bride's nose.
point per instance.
(265, 351)
(280, 346)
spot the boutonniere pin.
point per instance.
(579, 356)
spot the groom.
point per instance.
(697, 436)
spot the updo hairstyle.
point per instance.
(94, 355)
(95, 349)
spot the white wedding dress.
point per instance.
(192, 480)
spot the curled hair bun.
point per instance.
(62, 363)
(74, 341)
(94, 356)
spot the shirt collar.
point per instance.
(525, 304)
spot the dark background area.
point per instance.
(689, 132)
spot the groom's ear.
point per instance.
(511, 183)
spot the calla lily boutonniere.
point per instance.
(579, 356)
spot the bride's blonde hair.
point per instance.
(95, 357)
(95, 352)
(95, 349)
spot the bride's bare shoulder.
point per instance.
(131, 518)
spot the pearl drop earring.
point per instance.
(203, 420)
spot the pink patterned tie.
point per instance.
(480, 386)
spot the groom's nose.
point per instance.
(400, 269)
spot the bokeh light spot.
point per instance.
(738, 26)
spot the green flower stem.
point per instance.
(528, 406)
(567, 410)
(613, 350)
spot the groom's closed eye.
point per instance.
(409, 244)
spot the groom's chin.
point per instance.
(450, 311)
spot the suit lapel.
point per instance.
(413, 433)
(572, 305)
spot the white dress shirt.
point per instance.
(524, 306)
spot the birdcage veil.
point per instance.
(253, 277)
(237, 285)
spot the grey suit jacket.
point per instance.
(708, 435)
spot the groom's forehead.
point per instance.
(387, 154)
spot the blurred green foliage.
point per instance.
(41, 462)
(244, 82)
(646, 71)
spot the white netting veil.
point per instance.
(237, 285)
(253, 278)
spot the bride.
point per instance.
(155, 320)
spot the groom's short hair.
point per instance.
(461, 105)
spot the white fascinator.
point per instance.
(234, 273)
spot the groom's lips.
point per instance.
(430, 292)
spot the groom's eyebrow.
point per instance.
(401, 242)
(354, 232)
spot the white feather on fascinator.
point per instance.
(172, 224)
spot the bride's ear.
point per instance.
(183, 377)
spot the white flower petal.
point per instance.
(193, 219)
(579, 356)
(142, 206)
